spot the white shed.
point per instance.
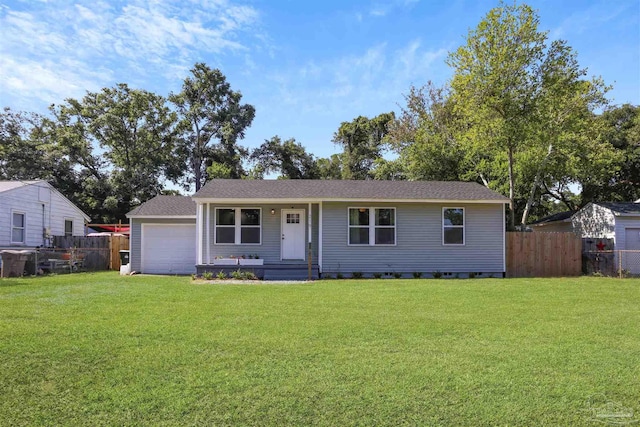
(31, 212)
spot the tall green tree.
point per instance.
(509, 84)
(621, 129)
(330, 167)
(213, 119)
(137, 134)
(288, 158)
(362, 143)
(424, 136)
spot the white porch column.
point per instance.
(320, 237)
(199, 232)
(208, 237)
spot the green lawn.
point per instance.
(100, 349)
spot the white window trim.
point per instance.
(372, 226)
(64, 229)
(24, 227)
(463, 226)
(237, 226)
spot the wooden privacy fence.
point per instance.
(103, 250)
(543, 254)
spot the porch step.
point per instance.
(290, 274)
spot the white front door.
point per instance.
(293, 234)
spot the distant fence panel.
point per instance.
(102, 252)
(543, 254)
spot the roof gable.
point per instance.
(347, 190)
(6, 186)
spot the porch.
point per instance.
(285, 271)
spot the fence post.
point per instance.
(620, 263)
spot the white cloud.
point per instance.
(383, 8)
(377, 76)
(59, 50)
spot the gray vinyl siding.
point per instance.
(135, 243)
(419, 245)
(270, 248)
(622, 223)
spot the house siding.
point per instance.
(135, 241)
(621, 224)
(270, 248)
(594, 221)
(419, 245)
(29, 200)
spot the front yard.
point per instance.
(100, 349)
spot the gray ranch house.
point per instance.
(284, 229)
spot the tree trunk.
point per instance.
(534, 187)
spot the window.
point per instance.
(453, 226)
(235, 226)
(17, 227)
(372, 226)
(293, 218)
(68, 227)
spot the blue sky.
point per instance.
(306, 66)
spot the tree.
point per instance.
(621, 129)
(361, 141)
(209, 110)
(424, 136)
(520, 98)
(330, 167)
(288, 158)
(137, 132)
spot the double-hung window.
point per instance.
(453, 226)
(18, 227)
(372, 226)
(235, 226)
(68, 227)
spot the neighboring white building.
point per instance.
(31, 212)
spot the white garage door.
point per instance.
(168, 249)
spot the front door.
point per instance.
(293, 234)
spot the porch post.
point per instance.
(199, 232)
(309, 220)
(320, 237)
(208, 243)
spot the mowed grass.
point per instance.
(100, 349)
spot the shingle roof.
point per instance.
(10, 185)
(166, 206)
(345, 189)
(621, 207)
(560, 216)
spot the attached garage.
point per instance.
(163, 236)
(168, 249)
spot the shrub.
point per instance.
(377, 275)
(249, 275)
(397, 275)
(417, 274)
(194, 277)
(436, 274)
(221, 275)
(339, 276)
(207, 275)
(356, 275)
(472, 275)
(237, 274)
